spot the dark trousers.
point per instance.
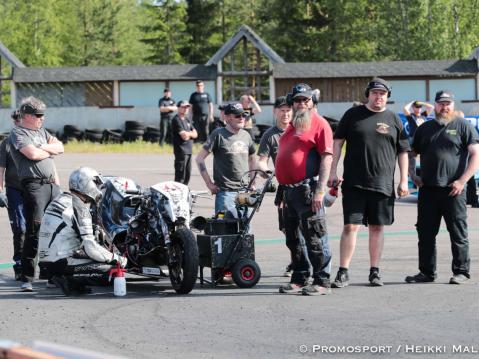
(471, 192)
(301, 221)
(434, 204)
(165, 130)
(200, 122)
(182, 168)
(37, 196)
(17, 221)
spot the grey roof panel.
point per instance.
(11, 58)
(253, 38)
(449, 68)
(109, 73)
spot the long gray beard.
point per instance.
(302, 120)
(444, 120)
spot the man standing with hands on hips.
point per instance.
(375, 138)
(449, 149)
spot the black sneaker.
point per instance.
(341, 280)
(63, 284)
(419, 278)
(375, 280)
(458, 279)
(290, 288)
(17, 269)
(315, 289)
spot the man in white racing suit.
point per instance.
(68, 245)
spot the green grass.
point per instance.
(125, 147)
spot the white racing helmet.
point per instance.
(87, 182)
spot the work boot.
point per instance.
(419, 278)
(290, 288)
(315, 289)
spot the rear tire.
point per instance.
(184, 266)
(246, 273)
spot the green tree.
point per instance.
(164, 31)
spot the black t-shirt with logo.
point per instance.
(443, 150)
(165, 102)
(181, 147)
(200, 103)
(373, 141)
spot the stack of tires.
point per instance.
(152, 134)
(112, 136)
(71, 132)
(134, 131)
(94, 134)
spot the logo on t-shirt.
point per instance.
(239, 147)
(382, 127)
(451, 132)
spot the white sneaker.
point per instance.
(26, 287)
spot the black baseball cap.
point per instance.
(234, 109)
(379, 84)
(416, 104)
(444, 96)
(302, 90)
(166, 90)
(281, 101)
(199, 82)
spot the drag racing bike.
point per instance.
(150, 227)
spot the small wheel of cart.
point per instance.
(246, 273)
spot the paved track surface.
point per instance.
(226, 322)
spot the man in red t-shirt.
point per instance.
(302, 167)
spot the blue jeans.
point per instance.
(17, 220)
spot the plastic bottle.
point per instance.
(330, 196)
(119, 283)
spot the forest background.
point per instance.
(132, 32)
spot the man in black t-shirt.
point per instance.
(449, 150)
(183, 135)
(167, 109)
(202, 107)
(375, 138)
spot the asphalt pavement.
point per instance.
(397, 320)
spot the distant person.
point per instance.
(233, 155)
(449, 150)
(33, 150)
(375, 139)
(252, 108)
(416, 113)
(183, 135)
(14, 195)
(220, 121)
(167, 111)
(202, 107)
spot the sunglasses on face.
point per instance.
(241, 116)
(301, 99)
(37, 115)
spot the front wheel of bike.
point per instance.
(184, 262)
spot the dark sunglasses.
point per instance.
(38, 115)
(243, 115)
(301, 99)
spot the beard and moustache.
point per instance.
(444, 119)
(301, 120)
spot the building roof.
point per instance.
(110, 73)
(257, 42)
(11, 58)
(446, 68)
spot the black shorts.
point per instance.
(367, 207)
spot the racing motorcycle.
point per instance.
(150, 226)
